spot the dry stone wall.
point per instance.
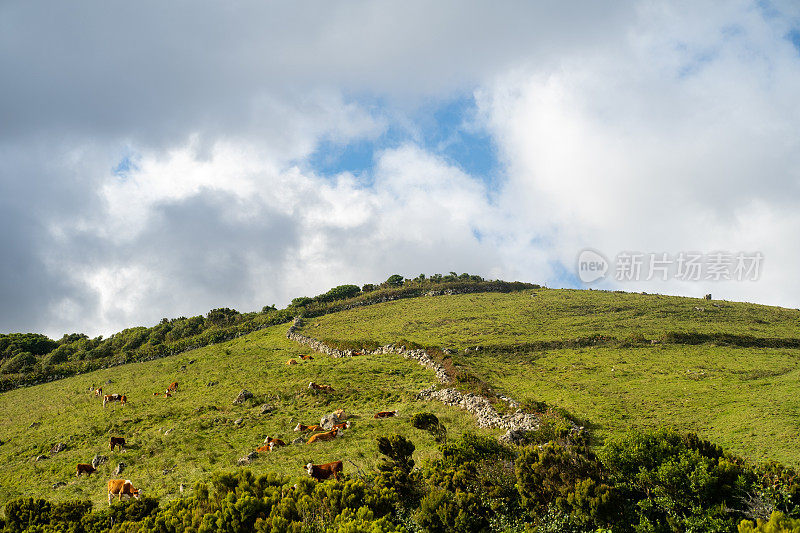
(486, 415)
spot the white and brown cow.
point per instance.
(114, 398)
(313, 427)
(385, 414)
(120, 488)
(323, 472)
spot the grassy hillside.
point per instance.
(744, 398)
(182, 439)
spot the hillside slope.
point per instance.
(616, 360)
(180, 440)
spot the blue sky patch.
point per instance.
(125, 166)
(794, 38)
(448, 129)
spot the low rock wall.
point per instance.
(486, 415)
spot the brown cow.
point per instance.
(117, 441)
(98, 392)
(328, 435)
(263, 449)
(385, 414)
(306, 358)
(343, 425)
(172, 387)
(322, 472)
(114, 398)
(326, 388)
(120, 487)
(291, 362)
(84, 468)
(275, 443)
(313, 427)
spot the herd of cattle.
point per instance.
(124, 487)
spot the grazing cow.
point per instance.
(291, 362)
(98, 392)
(167, 394)
(275, 443)
(306, 358)
(385, 414)
(120, 487)
(314, 386)
(313, 427)
(328, 435)
(114, 398)
(172, 387)
(323, 472)
(84, 468)
(117, 441)
(343, 425)
(264, 449)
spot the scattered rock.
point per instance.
(238, 421)
(247, 459)
(58, 484)
(211, 383)
(120, 467)
(167, 432)
(243, 397)
(512, 436)
(193, 361)
(482, 409)
(41, 458)
(34, 424)
(180, 487)
(109, 382)
(183, 367)
(98, 460)
(60, 447)
(267, 409)
(299, 440)
(328, 421)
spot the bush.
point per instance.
(395, 280)
(778, 523)
(430, 423)
(25, 512)
(22, 362)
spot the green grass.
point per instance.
(183, 439)
(746, 399)
(549, 314)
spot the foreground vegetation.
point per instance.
(644, 482)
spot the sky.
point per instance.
(163, 159)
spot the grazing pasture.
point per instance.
(182, 439)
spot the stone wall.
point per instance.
(486, 415)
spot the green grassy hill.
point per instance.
(592, 353)
(180, 440)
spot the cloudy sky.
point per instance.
(159, 159)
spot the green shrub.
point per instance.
(24, 512)
(778, 523)
(430, 423)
